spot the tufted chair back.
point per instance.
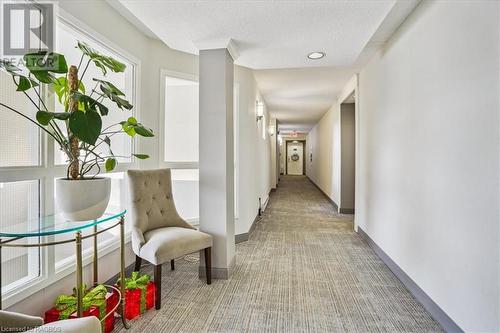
(151, 203)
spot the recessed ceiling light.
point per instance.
(316, 55)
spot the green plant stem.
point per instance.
(52, 123)
(60, 136)
(29, 119)
(112, 133)
(80, 63)
(94, 89)
(37, 92)
(102, 141)
(84, 71)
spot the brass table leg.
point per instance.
(79, 275)
(122, 271)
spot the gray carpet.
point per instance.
(303, 270)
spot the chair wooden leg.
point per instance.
(138, 263)
(172, 264)
(158, 287)
(208, 264)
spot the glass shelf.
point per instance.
(54, 225)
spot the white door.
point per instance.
(295, 158)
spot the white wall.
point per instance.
(323, 141)
(428, 160)
(254, 151)
(274, 150)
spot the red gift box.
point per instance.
(150, 295)
(111, 302)
(133, 300)
(53, 314)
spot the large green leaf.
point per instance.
(101, 61)
(24, 83)
(113, 93)
(110, 164)
(143, 131)
(141, 156)
(61, 88)
(132, 127)
(86, 126)
(128, 128)
(111, 87)
(43, 64)
(90, 104)
(46, 62)
(44, 76)
(44, 117)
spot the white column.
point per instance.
(216, 76)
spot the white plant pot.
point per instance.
(83, 200)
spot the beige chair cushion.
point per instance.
(13, 320)
(165, 244)
(18, 322)
(78, 325)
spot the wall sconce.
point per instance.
(259, 110)
(280, 140)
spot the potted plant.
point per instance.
(78, 130)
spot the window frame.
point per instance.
(164, 73)
(47, 171)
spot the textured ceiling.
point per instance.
(274, 37)
(267, 34)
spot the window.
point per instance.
(185, 188)
(67, 38)
(180, 137)
(20, 140)
(19, 204)
(30, 162)
(181, 120)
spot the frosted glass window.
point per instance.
(20, 139)
(19, 209)
(181, 120)
(67, 39)
(65, 253)
(185, 190)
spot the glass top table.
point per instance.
(54, 225)
(11, 235)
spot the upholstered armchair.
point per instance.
(159, 234)
(17, 322)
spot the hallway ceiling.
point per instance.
(274, 38)
(299, 97)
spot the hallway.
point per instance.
(303, 270)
